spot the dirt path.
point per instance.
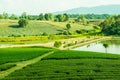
(20, 65)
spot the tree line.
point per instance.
(90, 16)
(51, 16)
(46, 16)
(111, 26)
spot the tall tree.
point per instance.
(41, 17)
(111, 26)
(51, 16)
(82, 19)
(24, 15)
(5, 15)
(68, 26)
(66, 17)
(13, 16)
(47, 16)
(60, 17)
(106, 46)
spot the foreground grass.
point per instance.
(71, 65)
(71, 54)
(72, 69)
(9, 55)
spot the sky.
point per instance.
(45, 6)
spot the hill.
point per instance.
(106, 9)
(9, 27)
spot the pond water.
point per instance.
(5, 45)
(109, 46)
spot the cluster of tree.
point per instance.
(6, 16)
(111, 26)
(46, 16)
(66, 31)
(51, 16)
(89, 31)
(61, 17)
(90, 16)
(81, 19)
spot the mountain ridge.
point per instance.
(103, 9)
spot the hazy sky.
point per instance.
(42, 6)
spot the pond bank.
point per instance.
(76, 42)
(98, 39)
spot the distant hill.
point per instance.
(106, 9)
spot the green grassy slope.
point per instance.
(64, 54)
(9, 27)
(9, 55)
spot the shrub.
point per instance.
(57, 44)
(22, 22)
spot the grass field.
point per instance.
(72, 69)
(9, 55)
(10, 28)
(71, 65)
(64, 54)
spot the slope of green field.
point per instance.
(9, 55)
(64, 54)
(7, 28)
(10, 28)
(71, 65)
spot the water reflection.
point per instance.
(111, 46)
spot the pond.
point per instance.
(109, 46)
(5, 45)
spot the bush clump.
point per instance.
(57, 44)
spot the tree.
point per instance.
(24, 15)
(66, 17)
(32, 17)
(46, 16)
(41, 17)
(13, 16)
(68, 26)
(106, 46)
(5, 15)
(51, 16)
(107, 23)
(57, 44)
(111, 26)
(22, 22)
(62, 17)
(82, 19)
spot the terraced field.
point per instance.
(71, 65)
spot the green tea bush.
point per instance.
(6, 66)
